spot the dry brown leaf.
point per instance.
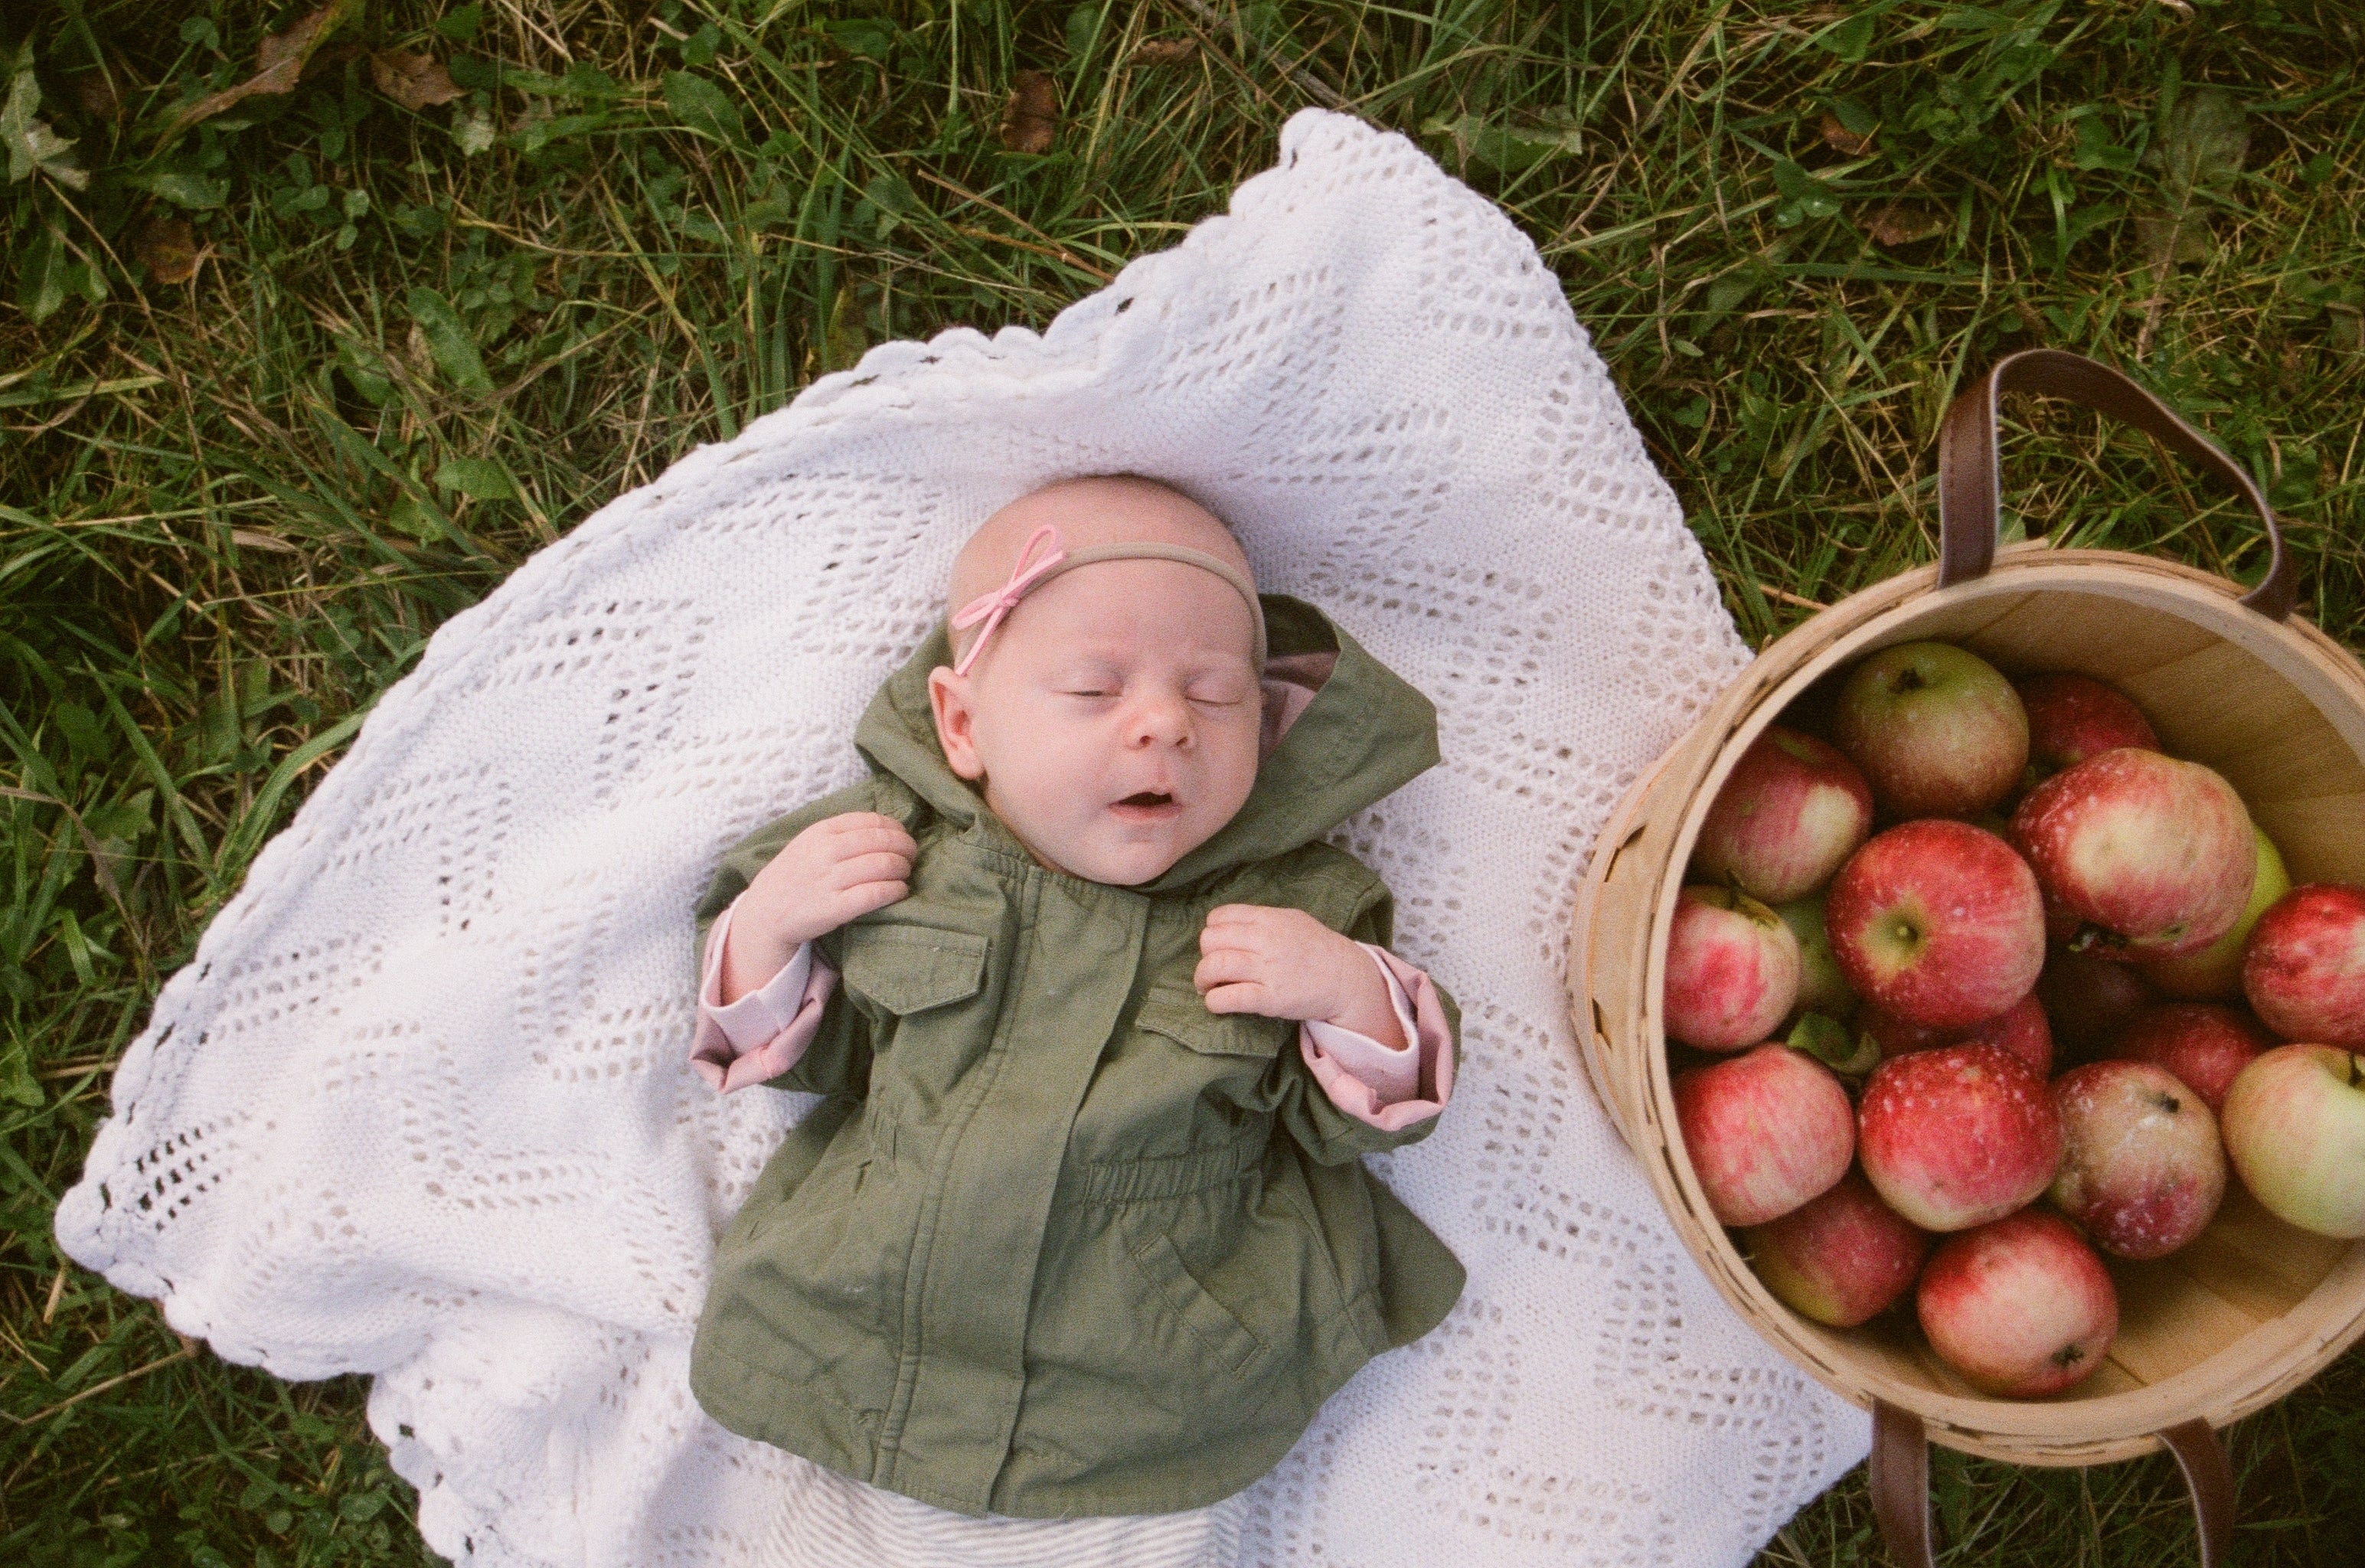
(279, 60)
(1841, 139)
(1904, 223)
(1166, 51)
(1032, 113)
(414, 81)
(168, 249)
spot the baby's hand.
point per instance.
(839, 867)
(1284, 963)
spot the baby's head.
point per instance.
(1114, 714)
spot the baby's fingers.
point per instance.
(862, 899)
(1241, 996)
(880, 866)
(1224, 967)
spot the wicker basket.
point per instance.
(2251, 1308)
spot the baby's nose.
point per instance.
(1162, 720)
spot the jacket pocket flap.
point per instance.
(1182, 1018)
(910, 969)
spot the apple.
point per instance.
(2073, 717)
(2215, 972)
(1764, 1132)
(2019, 1029)
(1732, 970)
(1937, 731)
(2088, 1000)
(2294, 1125)
(1938, 923)
(2141, 1168)
(1958, 1135)
(2154, 856)
(1790, 811)
(2205, 1045)
(1841, 1259)
(2305, 972)
(2020, 1307)
(1822, 987)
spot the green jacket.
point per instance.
(1059, 1241)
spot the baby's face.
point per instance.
(1114, 717)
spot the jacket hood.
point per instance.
(1366, 732)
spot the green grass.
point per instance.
(232, 509)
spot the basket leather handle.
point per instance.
(1901, 1486)
(1971, 479)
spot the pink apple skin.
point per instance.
(1764, 1132)
(1937, 731)
(2073, 717)
(1957, 1136)
(1938, 923)
(2204, 1045)
(2021, 1307)
(1790, 811)
(2215, 973)
(2141, 1166)
(2155, 856)
(1841, 1259)
(1732, 970)
(1822, 987)
(2019, 1029)
(2089, 999)
(2295, 1127)
(2305, 973)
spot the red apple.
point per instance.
(2021, 1307)
(1957, 1136)
(1822, 987)
(1841, 1259)
(1732, 970)
(1764, 1132)
(2019, 1029)
(2153, 855)
(1937, 731)
(2089, 999)
(2294, 1124)
(2073, 717)
(2141, 1168)
(1790, 811)
(2204, 1045)
(2305, 973)
(1938, 923)
(2215, 971)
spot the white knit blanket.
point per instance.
(419, 1108)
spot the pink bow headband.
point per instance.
(1029, 574)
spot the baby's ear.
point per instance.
(948, 698)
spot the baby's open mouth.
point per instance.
(1146, 805)
(1147, 798)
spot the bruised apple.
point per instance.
(1957, 1136)
(2154, 856)
(2021, 1029)
(2020, 1306)
(2204, 1045)
(1764, 1131)
(1732, 970)
(2295, 1127)
(1936, 729)
(1791, 810)
(2073, 717)
(2305, 972)
(1937, 922)
(2141, 1166)
(1841, 1259)
(2215, 973)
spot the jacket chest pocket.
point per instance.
(911, 968)
(1179, 1015)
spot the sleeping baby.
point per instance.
(1103, 1026)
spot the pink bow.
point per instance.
(992, 607)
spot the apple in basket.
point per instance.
(1764, 1132)
(1822, 987)
(2154, 856)
(1957, 1136)
(2020, 1307)
(2141, 1166)
(2088, 1000)
(2215, 973)
(2073, 717)
(1938, 923)
(2205, 1045)
(1732, 970)
(1937, 731)
(1791, 810)
(1841, 1259)
(2305, 973)
(2019, 1029)
(2294, 1125)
